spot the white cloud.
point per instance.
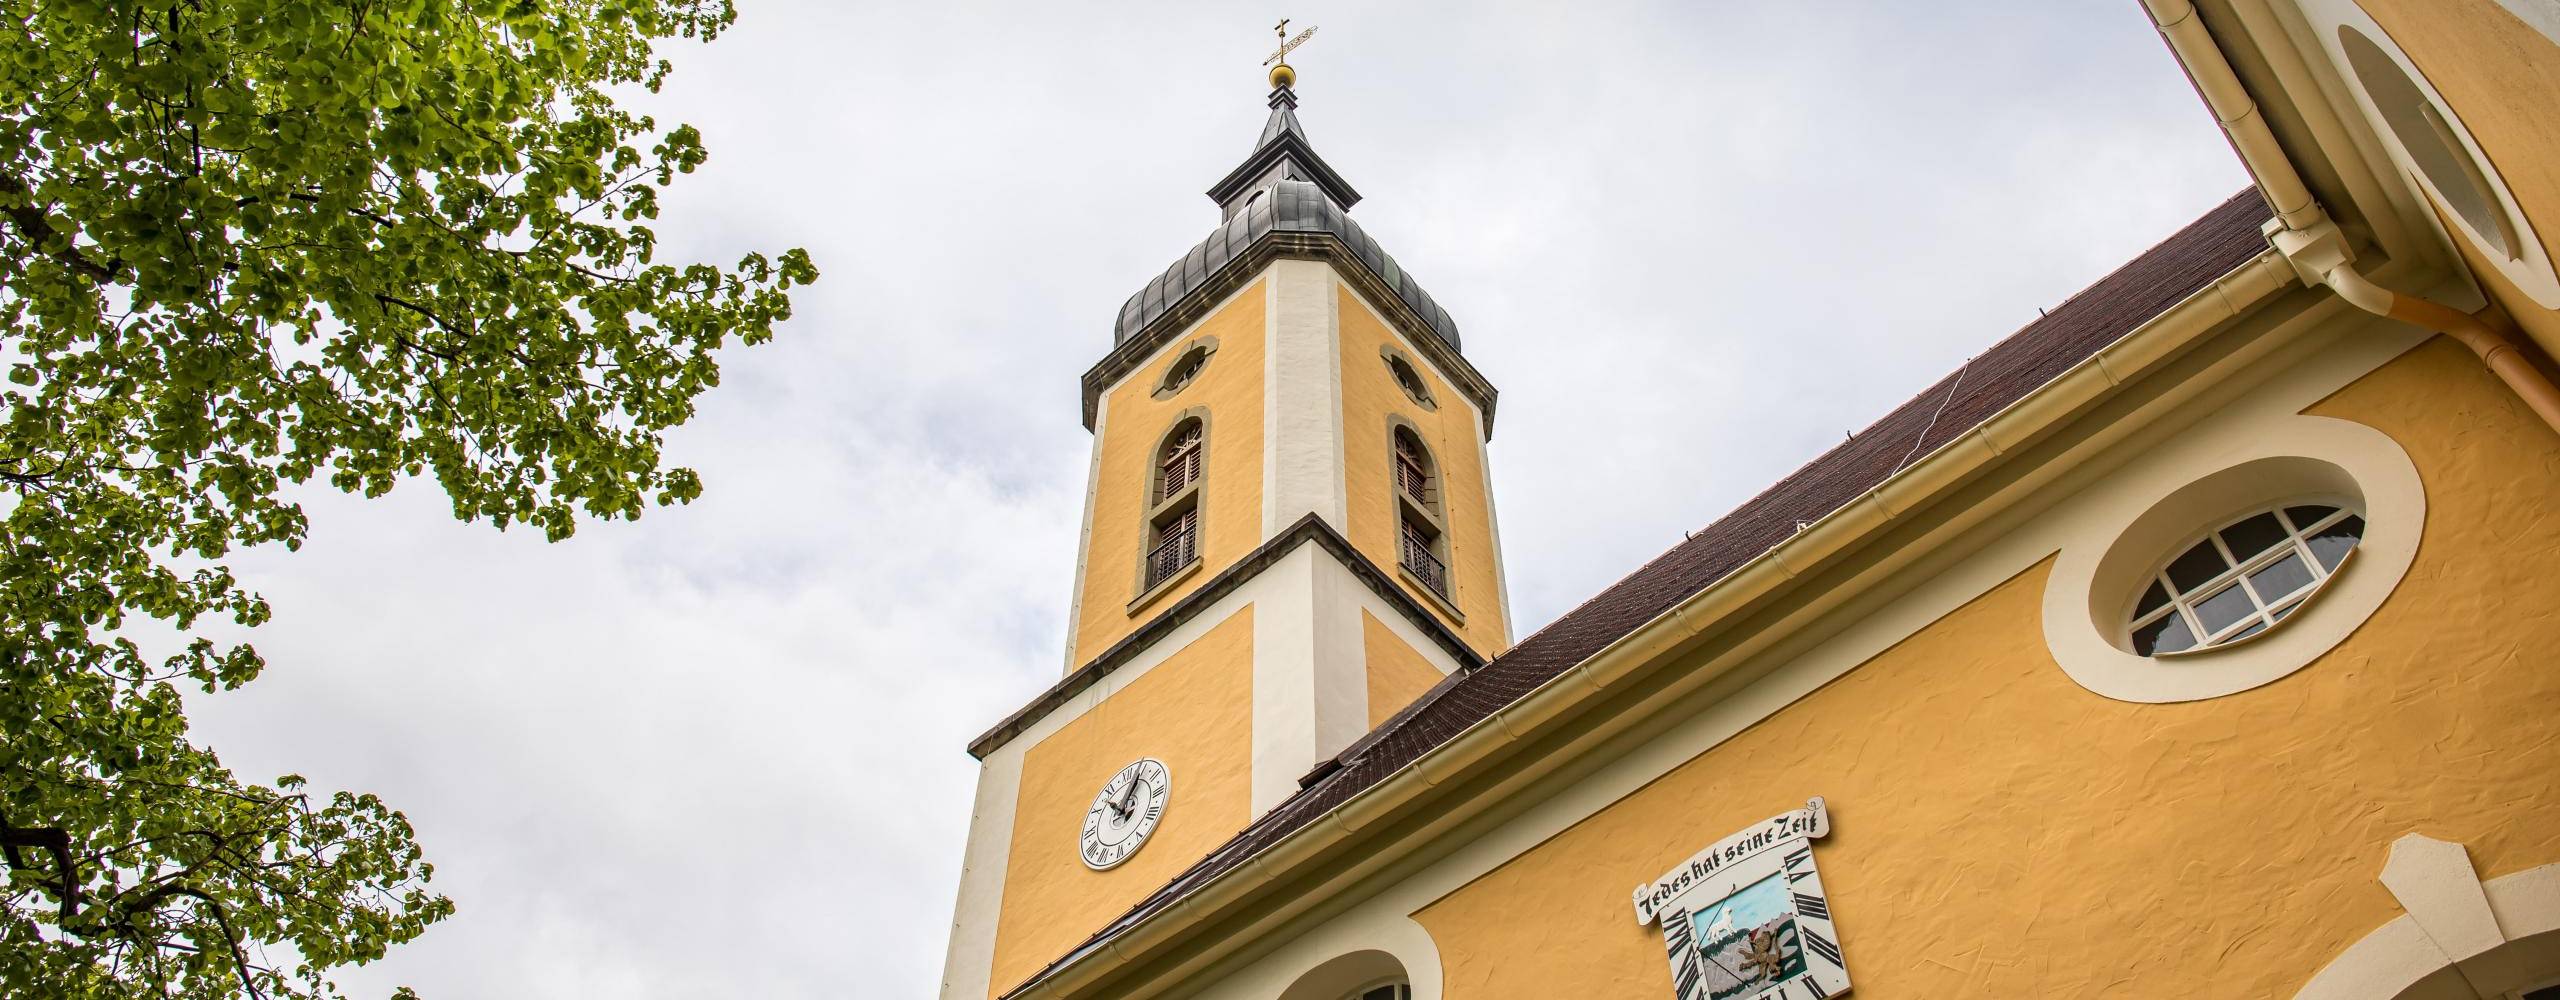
(719, 752)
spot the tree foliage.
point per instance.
(252, 244)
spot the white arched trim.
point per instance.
(1389, 950)
(2462, 939)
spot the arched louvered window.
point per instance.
(1173, 502)
(1422, 544)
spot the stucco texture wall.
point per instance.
(1194, 712)
(2000, 831)
(2502, 78)
(1397, 672)
(1369, 396)
(1134, 425)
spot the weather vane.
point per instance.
(1287, 44)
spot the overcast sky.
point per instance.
(720, 752)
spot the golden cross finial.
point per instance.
(1288, 44)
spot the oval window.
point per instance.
(2429, 139)
(2243, 578)
(1409, 380)
(1183, 370)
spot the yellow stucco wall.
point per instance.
(2542, 325)
(2000, 831)
(1369, 396)
(1194, 712)
(1397, 672)
(1134, 424)
(2503, 80)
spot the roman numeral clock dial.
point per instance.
(1124, 814)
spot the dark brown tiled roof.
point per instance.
(2116, 305)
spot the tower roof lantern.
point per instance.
(1281, 154)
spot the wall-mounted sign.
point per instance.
(1746, 919)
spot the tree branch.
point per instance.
(55, 842)
(30, 223)
(221, 918)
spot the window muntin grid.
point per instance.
(2243, 578)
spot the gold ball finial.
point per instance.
(1282, 77)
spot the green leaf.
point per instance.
(234, 265)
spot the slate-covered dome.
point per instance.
(1285, 206)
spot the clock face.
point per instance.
(1124, 814)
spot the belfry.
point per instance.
(1288, 538)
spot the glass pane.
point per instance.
(2253, 536)
(2168, 635)
(2332, 543)
(2247, 632)
(2308, 514)
(2286, 610)
(2224, 609)
(2279, 579)
(2152, 599)
(2199, 565)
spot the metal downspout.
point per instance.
(2309, 239)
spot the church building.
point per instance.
(2199, 639)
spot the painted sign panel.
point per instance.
(1746, 919)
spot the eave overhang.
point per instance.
(1285, 147)
(2320, 138)
(1309, 529)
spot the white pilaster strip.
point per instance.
(1493, 527)
(1303, 435)
(1284, 658)
(1310, 670)
(971, 957)
(1341, 665)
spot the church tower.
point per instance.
(1288, 538)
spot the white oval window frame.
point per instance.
(2097, 575)
(2531, 272)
